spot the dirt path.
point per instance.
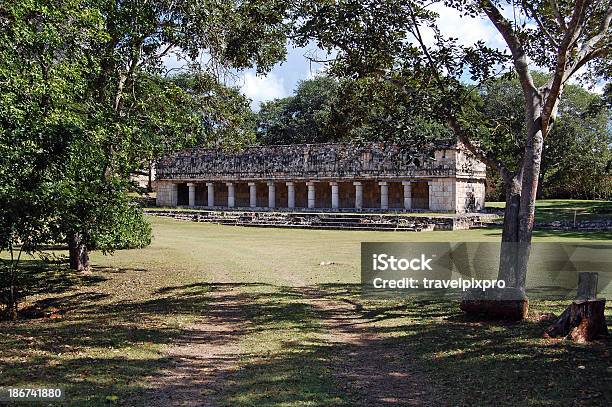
(204, 359)
(378, 370)
(208, 356)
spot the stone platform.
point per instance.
(331, 220)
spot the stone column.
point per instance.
(358, 195)
(384, 195)
(335, 204)
(430, 194)
(271, 194)
(231, 194)
(407, 194)
(253, 194)
(211, 194)
(311, 195)
(192, 193)
(290, 195)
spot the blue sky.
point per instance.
(282, 80)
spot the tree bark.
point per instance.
(78, 252)
(512, 303)
(507, 259)
(582, 321)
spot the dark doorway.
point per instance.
(182, 192)
(420, 195)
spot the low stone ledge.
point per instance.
(370, 221)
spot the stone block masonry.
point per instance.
(442, 177)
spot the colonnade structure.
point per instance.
(440, 177)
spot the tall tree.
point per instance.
(83, 85)
(401, 41)
(43, 75)
(212, 36)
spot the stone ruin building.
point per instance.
(324, 177)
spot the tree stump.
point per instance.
(584, 320)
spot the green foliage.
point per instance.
(43, 82)
(221, 112)
(301, 118)
(578, 155)
(578, 149)
(374, 109)
(325, 109)
(85, 101)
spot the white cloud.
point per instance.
(466, 29)
(314, 71)
(262, 88)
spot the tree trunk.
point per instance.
(511, 302)
(11, 307)
(507, 259)
(79, 254)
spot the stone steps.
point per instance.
(326, 221)
(323, 227)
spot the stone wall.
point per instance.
(442, 195)
(470, 195)
(318, 161)
(167, 193)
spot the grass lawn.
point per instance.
(264, 286)
(564, 209)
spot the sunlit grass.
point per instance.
(117, 322)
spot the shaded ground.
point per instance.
(241, 317)
(337, 359)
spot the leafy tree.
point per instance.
(42, 81)
(184, 109)
(230, 34)
(576, 160)
(86, 100)
(387, 39)
(578, 149)
(300, 118)
(126, 112)
(373, 109)
(325, 109)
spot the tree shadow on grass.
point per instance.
(105, 348)
(470, 362)
(42, 277)
(466, 362)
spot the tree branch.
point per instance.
(561, 69)
(536, 17)
(557, 13)
(452, 121)
(588, 51)
(514, 44)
